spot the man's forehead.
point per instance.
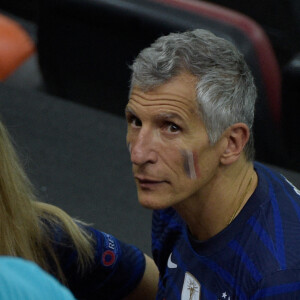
(161, 108)
(162, 101)
(159, 114)
(177, 96)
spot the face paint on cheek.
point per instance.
(196, 165)
(190, 164)
(129, 147)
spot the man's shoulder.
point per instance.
(280, 203)
(274, 182)
(273, 228)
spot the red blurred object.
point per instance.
(15, 46)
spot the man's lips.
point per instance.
(146, 182)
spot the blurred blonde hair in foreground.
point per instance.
(26, 223)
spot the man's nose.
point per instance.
(143, 148)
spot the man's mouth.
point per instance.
(148, 183)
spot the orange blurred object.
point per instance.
(15, 46)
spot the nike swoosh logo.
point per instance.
(171, 265)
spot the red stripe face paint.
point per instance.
(190, 164)
(196, 165)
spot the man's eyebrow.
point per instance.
(171, 116)
(129, 110)
(160, 116)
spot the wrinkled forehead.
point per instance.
(178, 94)
(168, 105)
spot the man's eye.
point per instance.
(135, 122)
(173, 128)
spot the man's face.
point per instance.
(171, 156)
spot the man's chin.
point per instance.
(153, 201)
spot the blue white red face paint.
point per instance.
(190, 164)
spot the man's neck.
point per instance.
(219, 201)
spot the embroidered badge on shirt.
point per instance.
(191, 288)
(224, 296)
(110, 250)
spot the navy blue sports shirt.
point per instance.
(116, 270)
(256, 257)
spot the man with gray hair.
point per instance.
(224, 226)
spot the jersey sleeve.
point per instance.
(281, 285)
(116, 270)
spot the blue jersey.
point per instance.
(116, 270)
(256, 257)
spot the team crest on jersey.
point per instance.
(191, 288)
(110, 250)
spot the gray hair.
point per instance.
(226, 92)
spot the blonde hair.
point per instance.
(25, 223)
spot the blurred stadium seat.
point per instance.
(85, 48)
(15, 46)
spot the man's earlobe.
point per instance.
(237, 137)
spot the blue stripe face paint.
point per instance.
(129, 147)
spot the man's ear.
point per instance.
(237, 137)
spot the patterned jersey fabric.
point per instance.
(256, 257)
(116, 271)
